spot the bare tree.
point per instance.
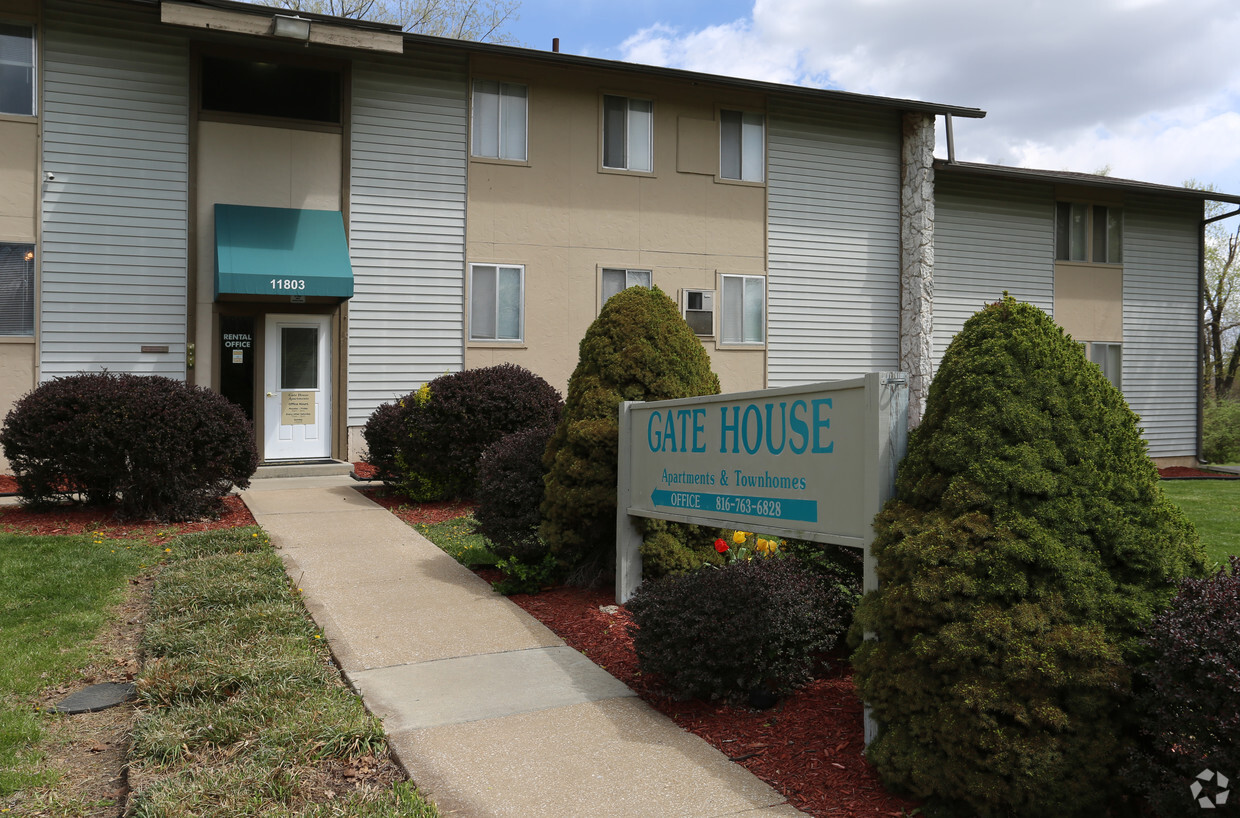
(1221, 318)
(478, 20)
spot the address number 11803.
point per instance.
(288, 284)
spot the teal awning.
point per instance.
(281, 251)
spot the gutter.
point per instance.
(1201, 327)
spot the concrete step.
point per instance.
(318, 468)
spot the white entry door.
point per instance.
(298, 387)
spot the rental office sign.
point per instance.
(812, 462)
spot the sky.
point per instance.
(1150, 88)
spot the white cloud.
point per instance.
(1150, 87)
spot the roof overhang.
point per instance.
(281, 251)
(1061, 177)
(259, 21)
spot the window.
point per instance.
(16, 289)
(1110, 358)
(742, 317)
(627, 133)
(615, 280)
(499, 120)
(261, 88)
(496, 296)
(1085, 232)
(16, 69)
(741, 146)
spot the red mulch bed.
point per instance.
(1173, 472)
(413, 513)
(809, 746)
(84, 520)
(364, 471)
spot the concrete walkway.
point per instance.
(489, 711)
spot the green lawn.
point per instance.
(242, 704)
(55, 596)
(1214, 508)
(457, 537)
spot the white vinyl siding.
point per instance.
(114, 245)
(409, 152)
(833, 192)
(989, 236)
(1161, 314)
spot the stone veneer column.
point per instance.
(917, 259)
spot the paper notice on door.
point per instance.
(238, 356)
(297, 409)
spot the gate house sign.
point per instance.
(811, 462)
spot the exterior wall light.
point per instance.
(292, 28)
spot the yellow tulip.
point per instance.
(739, 537)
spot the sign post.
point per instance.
(813, 462)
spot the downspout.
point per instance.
(1201, 326)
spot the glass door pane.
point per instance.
(299, 358)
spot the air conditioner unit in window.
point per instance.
(698, 308)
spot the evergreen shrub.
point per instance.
(639, 348)
(1026, 547)
(1188, 695)
(156, 447)
(722, 632)
(510, 491)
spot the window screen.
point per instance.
(16, 69)
(16, 289)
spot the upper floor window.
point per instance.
(264, 88)
(1085, 232)
(628, 133)
(742, 315)
(16, 69)
(499, 120)
(496, 302)
(16, 289)
(615, 280)
(742, 146)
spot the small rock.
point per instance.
(611, 610)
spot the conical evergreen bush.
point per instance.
(1027, 546)
(639, 348)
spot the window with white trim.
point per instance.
(628, 133)
(742, 146)
(16, 289)
(615, 280)
(1085, 232)
(16, 69)
(496, 302)
(1110, 358)
(742, 310)
(500, 120)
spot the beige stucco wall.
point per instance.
(1089, 301)
(19, 159)
(17, 374)
(565, 218)
(259, 166)
(19, 178)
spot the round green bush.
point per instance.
(382, 433)
(1188, 695)
(722, 632)
(158, 448)
(639, 348)
(1027, 546)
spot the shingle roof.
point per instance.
(1089, 179)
